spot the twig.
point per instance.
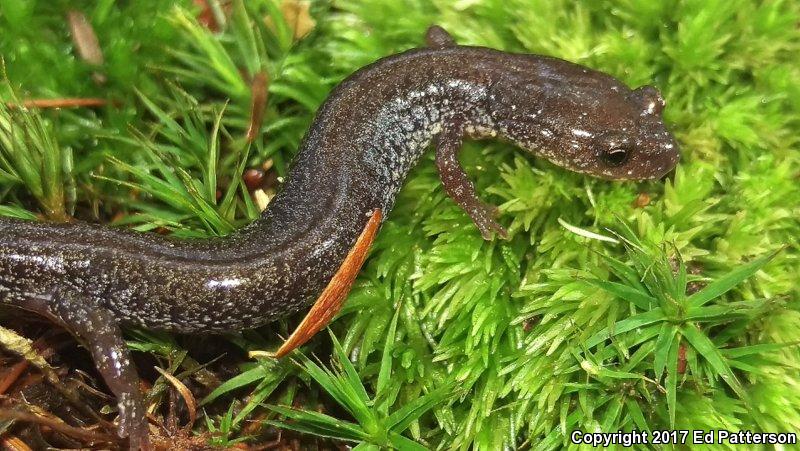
(13, 443)
(57, 426)
(25, 348)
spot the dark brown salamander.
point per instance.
(366, 137)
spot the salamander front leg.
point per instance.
(97, 329)
(460, 188)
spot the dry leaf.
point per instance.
(206, 15)
(262, 199)
(297, 16)
(84, 38)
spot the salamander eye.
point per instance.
(616, 156)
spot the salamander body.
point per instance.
(365, 139)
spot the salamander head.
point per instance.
(584, 120)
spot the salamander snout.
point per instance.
(641, 147)
(585, 121)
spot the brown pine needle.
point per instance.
(66, 102)
(187, 396)
(258, 103)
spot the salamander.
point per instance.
(312, 239)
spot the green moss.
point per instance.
(513, 323)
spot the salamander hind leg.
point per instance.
(461, 189)
(97, 329)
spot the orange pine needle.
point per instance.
(332, 298)
(12, 375)
(12, 443)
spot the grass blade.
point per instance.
(706, 348)
(401, 419)
(316, 423)
(722, 285)
(672, 381)
(385, 372)
(664, 342)
(636, 297)
(627, 324)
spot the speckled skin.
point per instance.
(365, 139)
